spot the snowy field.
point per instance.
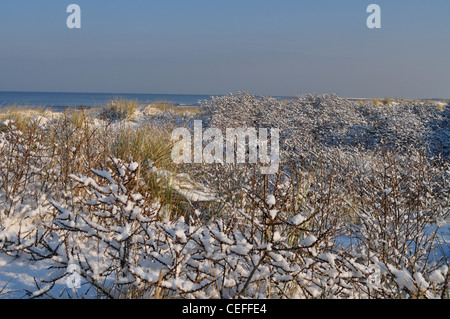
(92, 207)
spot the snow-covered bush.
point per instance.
(276, 246)
(344, 217)
(310, 122)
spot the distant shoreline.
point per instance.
(59, 101)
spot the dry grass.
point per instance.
(23, 114)
(160, 107)
(119, 109)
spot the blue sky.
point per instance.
(278, 47)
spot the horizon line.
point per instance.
(210, 95)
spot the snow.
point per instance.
(41, 120)
(297, 219)
(18, 278)
(420, 281)
(185, 186)
(181, 235)
(133, 166)
(329, 258)
(242, 248)
(437, 277)
(18, 275)
(8, 122)
(276, 236)
(273, 213)
(308, 241)
(270, 200)
(65, 213)
(104, 174)
(136, 197)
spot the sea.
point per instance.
(58, 101)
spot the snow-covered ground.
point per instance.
(20, 278)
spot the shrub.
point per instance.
(119, 109)
(344, 217)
